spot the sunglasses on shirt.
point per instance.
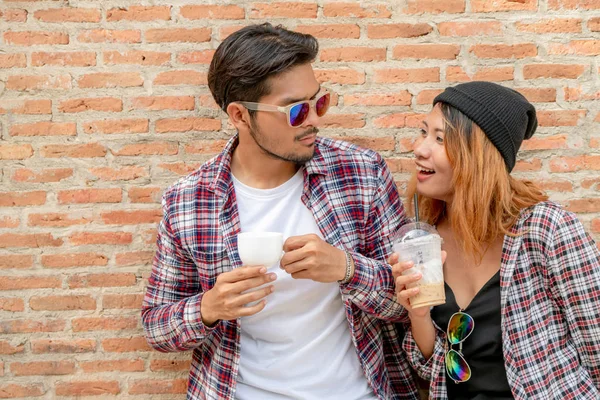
(297, 112)
(460, 326)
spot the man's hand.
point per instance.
(225, 301)
(310, 257)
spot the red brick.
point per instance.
(504, 50)
(87, 388)
(560, 117)
(331, 31)
(22, 199)
(196, 57)
(108, 80)
(594, 24)
(110, 238)
(158, 103)
(32, 326)
(44, 128)
(14, 15)
(577, 47)
(34, 240)
(204, 146)
(109, 36)
(283, 10)
(150, 148)
(539, 95)
(427, 51)
(426, 96)
(109, 104)
(62, 303)
(546, 143)
(555, 185)
(15, 151)
(435, 6)
(26, 107)
(228, 30)
(573, 5)
(88, 150)
(399, 120)
(13, 60)
(11, 304)
(40, 346)
(387, 31)
(578, 94)
(400, 165)
(132, 217)
(596, 225)
(181, 77)
(179, 168)
(566, 71)
(374, 143)
(32, 38)
(456, 73)
(347, 121)
(126, 173)
(341, 76)
(589, 205)
(9, 222)
(57, 219)
(187, 124)
(71, 14)
(139, 13)
(170, 365)
(503, 5)
(9, 349)
(117, 126)
(42, 368)
(103, 324)
(38, 82)
(576, 163)
(349, 54)
(73, 260)
(82, 196)
(400, 75)
(14, 390)
(42, 176)
(556, 25)
(145, 195)
(356, 10)
(134, 258)
(71, 59)
(122, 301)
(102, 280)
(16, 261)
(29, 282)
(140, 57)
(126, 365)
(195, 35)
(211, 12)
(401, 98)
(124, 345)
(470, 28)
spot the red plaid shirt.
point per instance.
(550, 304)
(354, 200)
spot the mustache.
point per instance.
(312, 131)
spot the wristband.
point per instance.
(348, 275)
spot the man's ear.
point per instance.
(239, 116)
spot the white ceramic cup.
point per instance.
(260, 248)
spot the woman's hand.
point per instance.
(403, 293)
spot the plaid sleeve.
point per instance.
(372, 286)
(425, 368)
(171, 310)
(574, 263)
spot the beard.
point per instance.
(269, 146)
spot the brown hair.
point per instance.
(487, 200)
(242, 64)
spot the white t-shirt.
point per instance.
(299, 346)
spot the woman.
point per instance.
(522, 277)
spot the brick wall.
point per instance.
(104, 104)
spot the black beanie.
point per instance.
(504, 115)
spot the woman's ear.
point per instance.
(239, 116)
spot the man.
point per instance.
(316, 331)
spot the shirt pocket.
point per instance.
(211, 263)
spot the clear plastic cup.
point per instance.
(420, 243)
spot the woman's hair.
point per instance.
(486, 200)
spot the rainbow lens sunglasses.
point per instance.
(296, 112)
(460, 326)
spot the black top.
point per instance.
(482, 349)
